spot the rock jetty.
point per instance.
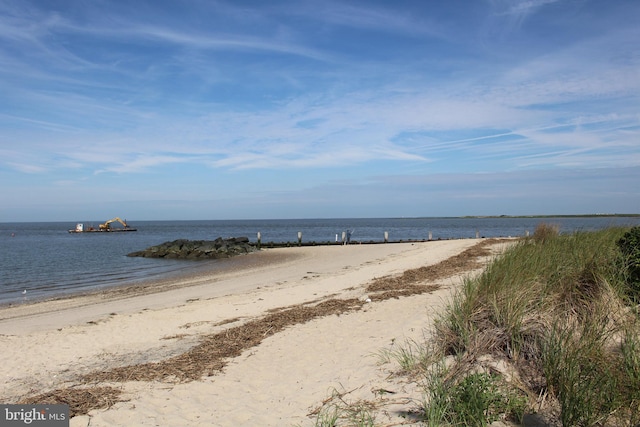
(198, 249)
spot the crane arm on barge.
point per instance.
(104, 227)
(107, 225)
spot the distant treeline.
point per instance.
(555, 216)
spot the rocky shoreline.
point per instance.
(198, 249)
(227, 248)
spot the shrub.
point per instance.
(544, 232)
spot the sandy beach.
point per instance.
(279, 377)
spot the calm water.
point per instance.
(45, 260)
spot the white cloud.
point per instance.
(516, 12)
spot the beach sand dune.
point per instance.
(281, 378)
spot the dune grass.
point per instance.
(549, 327)
(548, 332)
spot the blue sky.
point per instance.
(204, 109)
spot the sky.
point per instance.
(206, 109)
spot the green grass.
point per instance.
(554, 307)
(411, 356)
(476, 399)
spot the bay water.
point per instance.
(42, 259)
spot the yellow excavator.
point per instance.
(107, 225)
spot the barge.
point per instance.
(103, 228)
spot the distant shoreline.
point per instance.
(557, 216)
(603, 215)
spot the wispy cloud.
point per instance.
(516, 12)
(376, 17)
(524, 7)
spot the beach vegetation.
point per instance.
(549, 327)
(327, 417)
(338, 410)
(629, 244)
(545, 231)
(477, 399)
(411, 356)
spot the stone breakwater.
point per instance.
(198, 249)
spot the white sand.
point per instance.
(278, 383)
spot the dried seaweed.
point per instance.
(408, 283)
(80, 400)
(214, 351)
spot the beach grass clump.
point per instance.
(477, 399)
(327, 417)
(629, 245)
(556, 309)
(580, 374)
(545, 231)
(411, 356)
(338, 410)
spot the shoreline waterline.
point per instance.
(194, 273)
(198, 273)
(257, 272)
